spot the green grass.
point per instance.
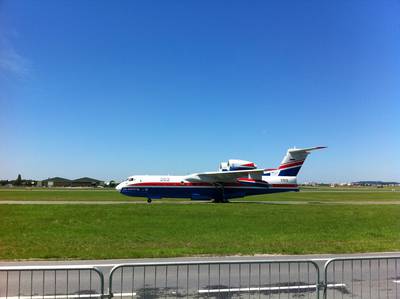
(350, 188)
(316, 195)
(133, 231)
(329, 196)
(61, 194)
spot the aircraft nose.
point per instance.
(119, 186)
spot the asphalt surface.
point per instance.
(227, 277)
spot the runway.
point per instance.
(270, 280)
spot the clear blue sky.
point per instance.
(111, 89)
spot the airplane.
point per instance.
(235, 179)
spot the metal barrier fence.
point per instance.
(43, 282)
(363, 277)
(226, 279)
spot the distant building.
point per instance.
(375, 183)
(56, 182)
(86, 182)
(29, 183)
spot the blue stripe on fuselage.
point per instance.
(197, 193)
(290, 171)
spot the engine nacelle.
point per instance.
(223, 166)
(237, 165)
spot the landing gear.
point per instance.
(220, 198)
(149, 200)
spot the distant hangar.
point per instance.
(63, 182)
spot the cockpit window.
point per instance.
(130, 179)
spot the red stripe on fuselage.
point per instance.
(287, 165)
(249, 165)
(174, 184)
(246, 179)
(292, 162)
(185, 184)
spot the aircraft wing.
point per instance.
(224, 176)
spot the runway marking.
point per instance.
(283, 288)
(336, 285)
(124, 294)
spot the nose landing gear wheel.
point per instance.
(149, 200)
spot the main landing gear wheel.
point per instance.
(221, 198)
(149, 200)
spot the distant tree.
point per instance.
(18, 181)
(112, 184)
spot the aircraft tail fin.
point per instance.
(293, 160)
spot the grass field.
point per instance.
(307, 194)
(59, 194)
(329, 196)
(133, 231)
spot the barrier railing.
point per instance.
(362, 277)
(44, 282)
(293, 278)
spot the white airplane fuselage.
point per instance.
(156, 187)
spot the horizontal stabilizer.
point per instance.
(306, 149)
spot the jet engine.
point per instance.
(223, 166)
(234, 164)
